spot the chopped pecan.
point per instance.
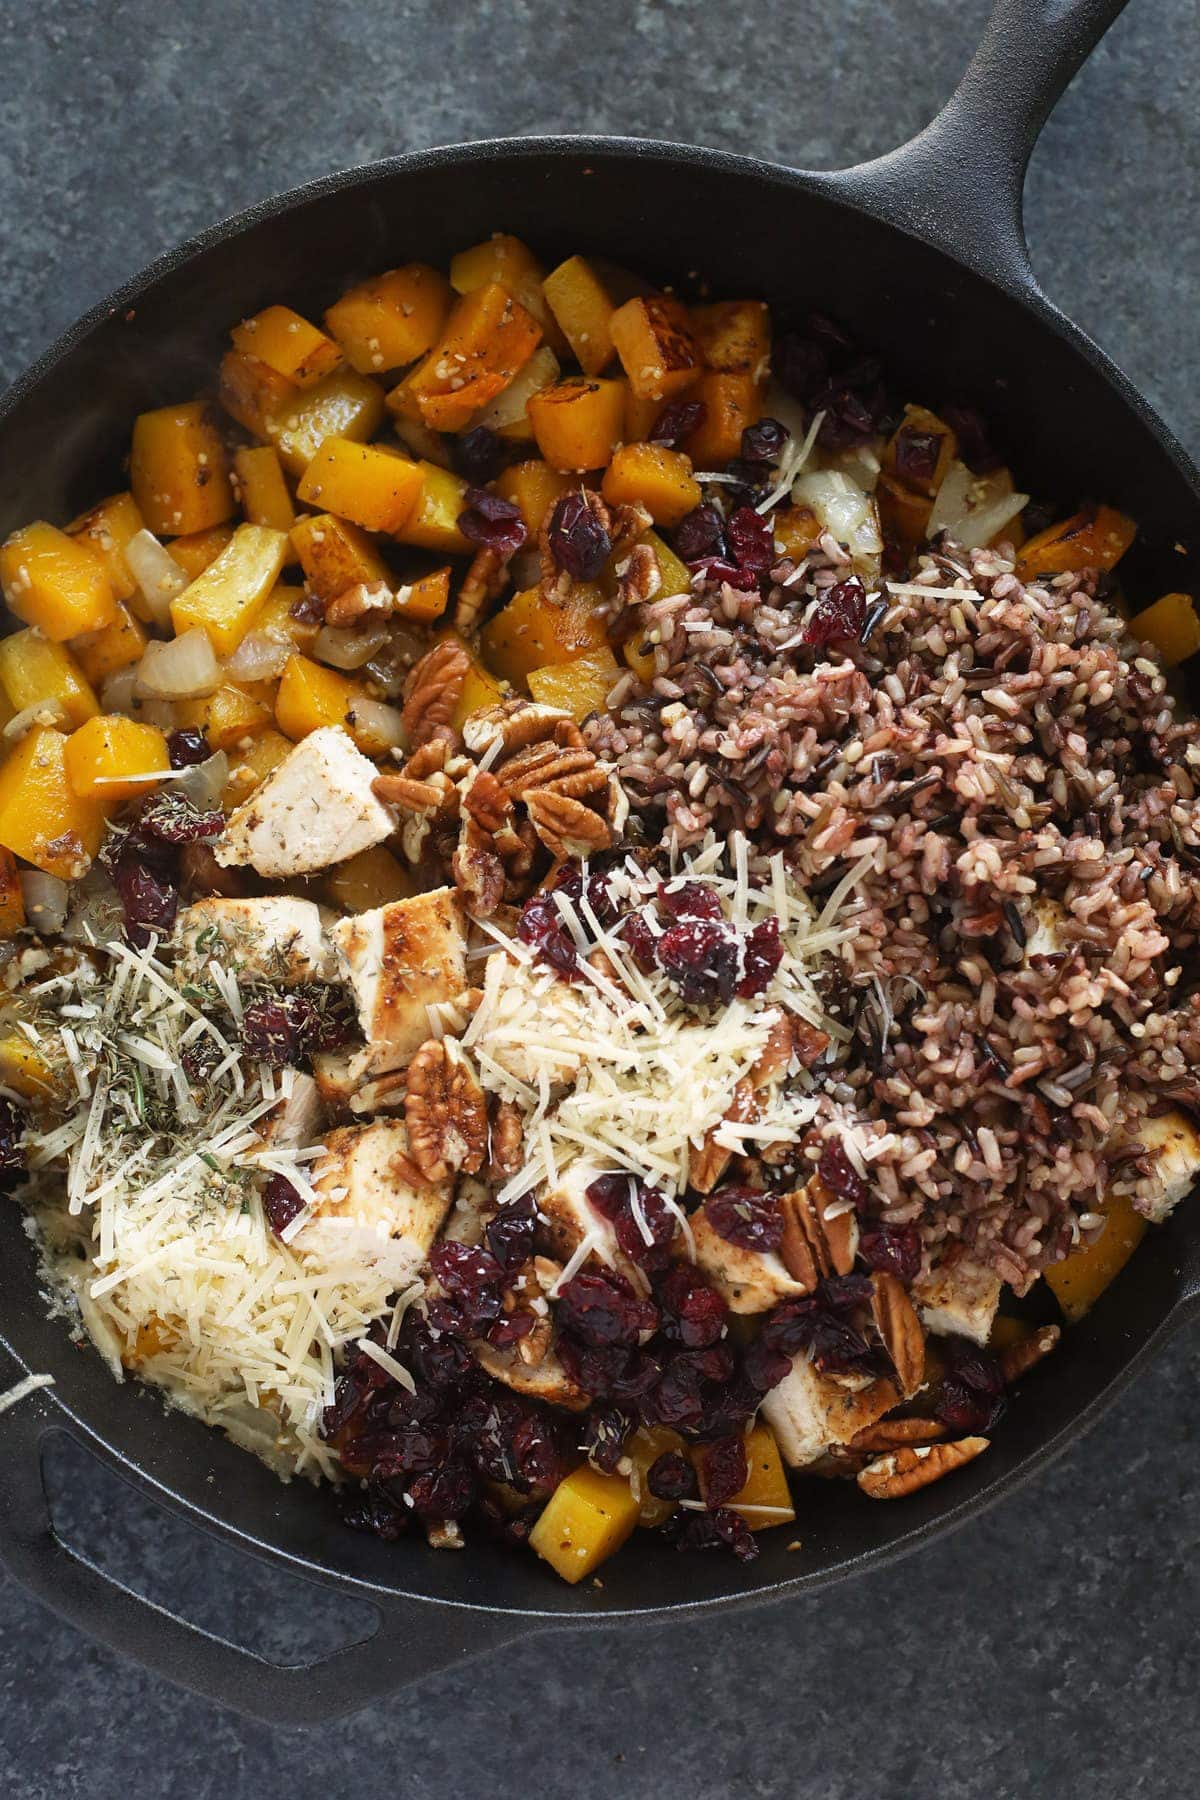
(478, 873)
(444, 1111)
(815, 1247)
(627, 522)
(395, 788)
(513, 724)
(484, 581)
(567, 827)
(905, 1470)
(542, 765)
(894, 1434)
(712, 1159)
(585, 784)
(434, 689)
(808, 1041)
(508, 1140)
(358, 602)
(1021, 1356)
(428, 759)
(638, 576)
(486, 802)
(534, 1347)
(898, 1325)
(776, 1052)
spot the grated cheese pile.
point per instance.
(615, 1067)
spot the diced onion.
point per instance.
(860, 464)
(204, 783)
(377, 727)
(260, 657)
(350, 647)
(157, 574)
(117, 690)
(974, 509)
(45, 899)
(183, 668)
(41, 712)
(846, 513)
(541, 371)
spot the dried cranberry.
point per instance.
(604, 1433)
(677, 421)
(609, 1194)
(746, 1218)
(854, 403)
(700, 958)
(537, 1451)
(895, 1249)
(688, 1396)
(689, 900)
(734, 1532)
(672, 1477)
(714, 569)
(972, 1391)
(281, 1202)
(762, 953)
(764, 442)
(509, 1329)
(693, 1311)
(765, 1364)
(170, 818)
(491, 522)
(510, 1234)
(838, 613)
(479, 455)
(825, 1326)
(646, 1207)
(750, 539)
(801, 365)
(439, 1362)
(917, 455)
(373, 1512)
(273, 1031)
(149, 901)
(641, 940)
(541, 927)
(699, 533)
(471, 1277)
(725, 1470)
(839, 1174)
(578, 541)
(444, 1493)
(596, 1370)
(187, 747)
(602, 1310)
(594, 892)
(974, 443)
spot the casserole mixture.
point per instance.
(589, 903)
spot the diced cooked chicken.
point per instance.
(298, 1119)
(373, 1203)
(809, 1412)
(348, 1083)
(316, 808)
(749, 1281)
(568, 1217)
(958, 1299)
(1174, 1142)
(546, 1380)
(277, 938)
(400, 960)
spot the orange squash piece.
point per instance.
(795, 529)
(507, 260)
(200, 549)
(178, 470)
(251, 762)
(343, 404)
(251, 393)
(919, 421)
(108, 759)
(391, 319)
(262, 488)
(426, 598)
(580, 686)
(278, 620)
(371, 486)
(433, 522)
(36, 672)
(287, 343)
(372, 878)
(336, 555)
(227, 717)
(115, 646)
(42, 819)
(734, 337)
(903, 514)
(578, 423)
(531, 631)
(533, 487)
(583, 308)
(730, 402)
(55, 582)
(587, 1518)
(654, 341)
(488, 337)
(1095, 538)
(106, 528)
(1171, 625)
(1078, 1281)
(661, 480)
(310, 695)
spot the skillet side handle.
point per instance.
(412, 1640)
(959, 183)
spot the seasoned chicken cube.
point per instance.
(1174, 1142)
(400, 960)
(276, 938)
(298, 1119)
(373, 1204)
(749, 1281)
(568, 1216)
(958, 1299)
(546, 1380)
(809, 1412)
(316, 808)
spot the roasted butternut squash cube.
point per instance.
(225, 600)
(178, 470)
(55, 582)
(508, 414)
(532, 631)
(262, 488)
(35, 672)
(488, 337)
(533, 487)
(480, 689)
(639, 415)
(735, 337)
(23, 1066)
(1097, 537)
(513, 265)
(643, 1448)
(42, 818)
(344, 404)
(795, 530)
(659, 479)
(251, 762)
(226, 718)
(12, 900)
(370, 879)
(115, 646)
(920, 450)
(730, 402)
(673, 575)
(654, 341)
(1171, 625)
(426, 598)
(106, 528)
(580, 686)
(310, 695)
(370, 485)
(200, 549)
(287, 343)
(390, 319)
(587, 1518)
(766, 1499)
(582, 306)
(578, 423)
(278, 619)
(109, 758)
(1079, 1280)
(336, 555)
(251, 393)
(433, 522)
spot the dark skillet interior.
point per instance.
(682, 217)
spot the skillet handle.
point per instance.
(412, 1639)
(959, 184)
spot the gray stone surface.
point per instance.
(1049, 1649)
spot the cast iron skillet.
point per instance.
(922, 254)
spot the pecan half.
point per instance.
(813, 1246)
(484, 581)
(358, 602)
(1021, 1356)
(638, 576)
(508, 1141)
(428, 759)
(513, 724)
(444, 1111)
(486, 802)
(712, 1159)
(543, 765)
(567, 827)
(904, 1471)
(478, 873)
(776, 1052)
(894, 1434)
(435, 688)
(902, 1332)
(395, 788)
